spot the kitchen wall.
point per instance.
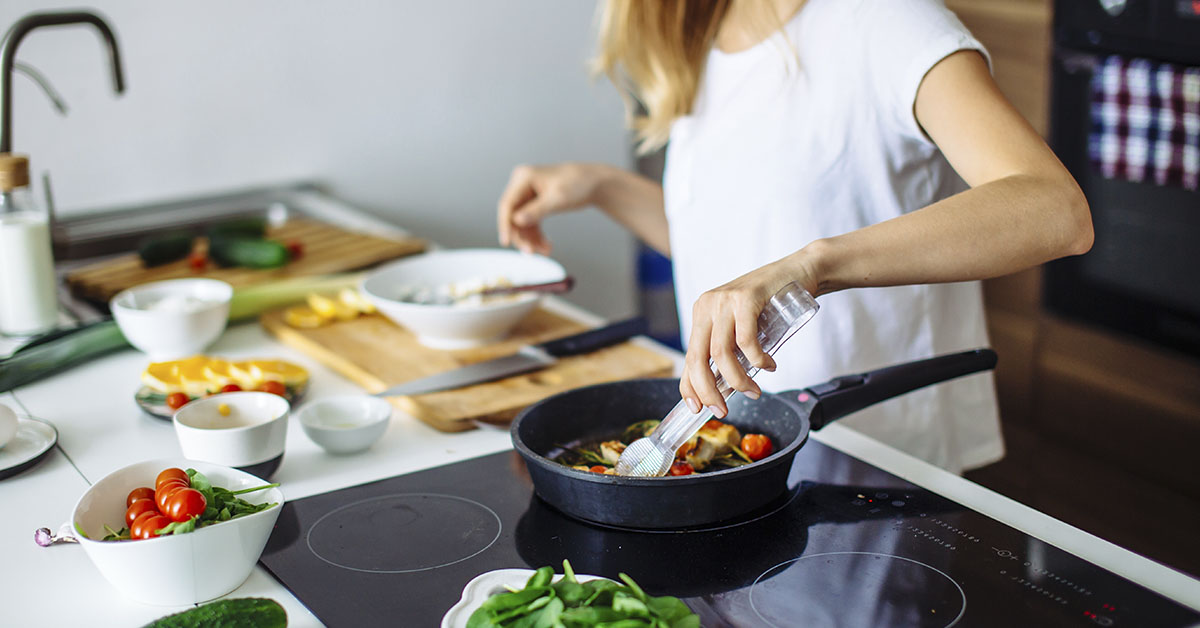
(416, 111)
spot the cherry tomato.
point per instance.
(151, 526)
(295, 249)
(176, 400)
(164, 492)
(681, 468)
(174, 473)
(598, 468)
(137, 508)
(272, 387)
(185, 504)
(712, 424)
(757, 446)
(198, 261)
(144, 492)
(135, 528)
(230, 388)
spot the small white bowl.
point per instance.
(463, 324)
(345, 424)
(190, 568)
(251, 437)
(173, 318)
(490, 583)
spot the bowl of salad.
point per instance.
(198, 527)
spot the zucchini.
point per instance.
(250, 227)
(163, 249)
(245, 612)
(248, 252)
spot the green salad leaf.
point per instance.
(569, 603)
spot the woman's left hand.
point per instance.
(725, 320)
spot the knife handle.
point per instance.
(596, 338)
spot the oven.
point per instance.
(1142, 276)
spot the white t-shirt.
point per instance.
(811, 134)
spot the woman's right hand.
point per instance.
(534, 192)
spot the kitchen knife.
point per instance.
(527, 358)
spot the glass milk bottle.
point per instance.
(28, 304)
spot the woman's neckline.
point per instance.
(775, 34)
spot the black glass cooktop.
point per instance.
(848, 545)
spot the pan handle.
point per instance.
(850, 393)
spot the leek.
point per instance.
(65, 349)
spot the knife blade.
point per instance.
(527, 358)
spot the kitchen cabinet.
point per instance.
(1085, 411)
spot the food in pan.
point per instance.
(718, 445)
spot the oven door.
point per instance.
(1140, 277)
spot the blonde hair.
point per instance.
(654, 52)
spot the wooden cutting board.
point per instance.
(376, 353)
(327, 249)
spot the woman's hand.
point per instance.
(725, 320)
(534, 192)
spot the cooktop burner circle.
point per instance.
(403, 533)
(885, 590)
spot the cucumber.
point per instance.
(250, 227)
(248, 252)
(246, 612)
(162, 249)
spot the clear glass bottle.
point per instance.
(28, 302)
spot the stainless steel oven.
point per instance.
(1142, 276)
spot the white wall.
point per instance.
(416, 111)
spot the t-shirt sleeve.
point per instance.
(904, 40)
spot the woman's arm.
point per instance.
(1023, 209)
(534, 192)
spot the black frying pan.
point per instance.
(604, 410)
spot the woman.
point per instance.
(840, 144)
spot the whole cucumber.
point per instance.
(248, 252)
(246, 612)
(162, 249)
(250, 227)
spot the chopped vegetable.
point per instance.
(717, 445)
(570, 603)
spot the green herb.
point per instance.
(572, 604)
(222, 503)
(114, 535)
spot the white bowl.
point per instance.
(251, 437)
(463, 324)
(173, 318)
(189, 568)
(345, 424)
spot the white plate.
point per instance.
(488, 584)
(34, 439)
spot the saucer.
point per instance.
(34, 439)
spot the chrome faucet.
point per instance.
(9, 53)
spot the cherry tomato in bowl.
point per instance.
(184, 504)
(138, 508)
(142, 492)
(172, 474)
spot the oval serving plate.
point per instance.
(154, 403)
(486, 585)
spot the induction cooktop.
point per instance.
(847, 545)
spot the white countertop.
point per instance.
(101, 429)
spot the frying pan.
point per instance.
(602, 411)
